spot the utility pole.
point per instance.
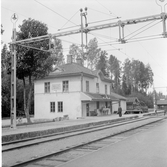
(82, 29)
(14, 19)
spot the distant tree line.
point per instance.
(130, 78)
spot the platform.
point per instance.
(40, 129)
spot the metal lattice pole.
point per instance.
(14, 19)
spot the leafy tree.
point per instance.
(75, 51)
(125, 88)
(115, 70)
(4, 56)
(58, 52)
(93, 53)
(31, 63)
(102, 63)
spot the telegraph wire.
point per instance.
(140, 29)
(112, 46)
(106, 9)
(69, 20)
(149, 53)
(54, 12)
(102, 12)
(144, 30)
(26, 16)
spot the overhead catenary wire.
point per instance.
(103, 13)
(139, 29)
(69, 21)
(113, 47)
(106, 8)
(145, 29)
(26, 16)
(54, 11)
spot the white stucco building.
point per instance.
(76, 91)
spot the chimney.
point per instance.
(69, 59)
(79, 61)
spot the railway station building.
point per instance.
(75, 91)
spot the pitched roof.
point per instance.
(70, 69)
(74, 69)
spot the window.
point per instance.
(52, 106)
(97, 87)
(47, 87)
(105, 89)
(60, 106)
(65, 86)
(87, 86)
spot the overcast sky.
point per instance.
(59, 15)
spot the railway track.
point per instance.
(8, 146)
(80, 148)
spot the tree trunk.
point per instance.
(28, 101)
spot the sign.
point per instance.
(56, 87)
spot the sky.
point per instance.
(64, 15)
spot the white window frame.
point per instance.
(65, 86)
(47, 87)
(52, 107)
(60, 106)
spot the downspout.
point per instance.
(81, 91)
(81, 82)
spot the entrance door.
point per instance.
(87, 109)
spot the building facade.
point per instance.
(75, 91)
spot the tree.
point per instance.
(93, 53)
(75, 51)
(31, 63)
(102, 63)
(58, 52)
(125, 89)
(4, 55)
(115, 70)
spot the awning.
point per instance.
(97, 97)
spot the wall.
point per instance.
(71, 101)
(71, 105)
(92, 85)
(56, 85)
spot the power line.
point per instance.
(69, 20)
(106, 8)
(112, 46)
(54, 12)
(102, 12)
(144, 30)
(139, 29)
(25, 16)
